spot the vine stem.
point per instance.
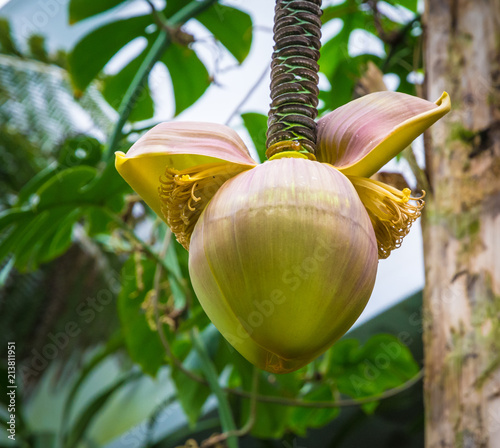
(419, 173)
(159, 46)
(251, 418)
(337, 403)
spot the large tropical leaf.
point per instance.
(82, 9)
(40, 228)
(94, 51)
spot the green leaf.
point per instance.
(7, 44)
(232, 27)
(37, 48)
(303, 418)
(81, 9)
(107, 189)
(94, 51)
(98, 222)
(339, 11)
(40, 228)
(408, 4)
(91, 411)
(29, 233)
(256, 125)
(335, 51)
(64, 187)
(172, 7)
(382, 363)
(191, 394)
(197, 318)
(341, 91)
(189, 76)
(114, 86)
(56, 226)
(344, 80)
(402, 63)
(112, 345)
(35, 183)
(142, 342)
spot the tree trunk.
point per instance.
(462, 226)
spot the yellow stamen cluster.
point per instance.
(390, 211)
(185, 194)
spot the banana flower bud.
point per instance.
(283, 255)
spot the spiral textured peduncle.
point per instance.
(294, 76)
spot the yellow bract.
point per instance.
(360, 137)
(401, 136)
(178, 146)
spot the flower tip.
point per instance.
(444, 102)
(363, 135)
(123, 166)
(120, 159)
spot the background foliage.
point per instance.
(85, 266)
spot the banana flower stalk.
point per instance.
(283, 255)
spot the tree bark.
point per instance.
(461, 226)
